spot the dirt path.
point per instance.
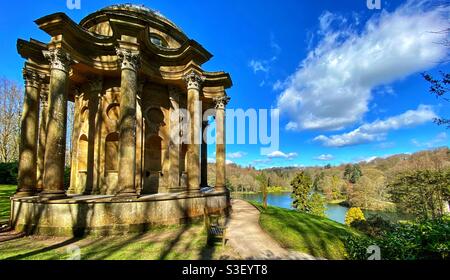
(250, 241)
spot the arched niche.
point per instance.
(112, 152)
(83, 144)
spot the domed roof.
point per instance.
(141, 9)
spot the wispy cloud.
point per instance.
(258, 65)
(333, 86)
(280, 154)
(377, 130)
(325, 157)
(437, 140)
(236, 155)
(264, 65)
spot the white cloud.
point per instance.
(438, 139)
(326, 157)
(229, 161)
(377, 130)
(258, 65)
(280, 154)
(211, 160)
(334, 84)
(236, 155)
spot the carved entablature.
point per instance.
(221, 102)
(59, 59)
(193, 80)
(130, 60)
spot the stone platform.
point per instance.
(80, 215)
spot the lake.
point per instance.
(334, 212)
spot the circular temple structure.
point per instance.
(139, 96)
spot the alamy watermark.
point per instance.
(73, 252)
(374, 252)
(374, 4)
(73, 4)
(251, 126)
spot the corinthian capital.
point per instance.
(221, 102)
(32, 78)
(193, 80)
(128, 59)
(59, 59)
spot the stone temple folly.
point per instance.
(139, 95)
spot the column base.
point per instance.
(193, 191)
(177, 190)
(126, 196)
(53, 194)
(25, 193)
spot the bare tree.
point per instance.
(10, 113)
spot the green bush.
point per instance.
(374, 226)
(354, 214)
(8, 173)
(421, 240)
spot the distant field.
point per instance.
(6, 191)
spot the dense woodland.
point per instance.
(366, 184)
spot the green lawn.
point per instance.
(170, 242)
(6, 191)
(317, 236)
(183, 242)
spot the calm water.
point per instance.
(334, 212)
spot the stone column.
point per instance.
(175, 140)
(130, 62)
(204, 157)
(29, 135)
(95, 89)
(193, 82)
(42, 138)
(56, 124)
(221, 103)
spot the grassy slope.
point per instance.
(317, 236)
(6, 192)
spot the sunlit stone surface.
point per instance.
(128, 70)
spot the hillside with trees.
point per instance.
(380, 184)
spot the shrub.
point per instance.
(422, 240)
(8, 173)
(354, 214)
(374, 226)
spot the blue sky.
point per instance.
(345, 78)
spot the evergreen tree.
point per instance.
(301, 187)
(316, 205)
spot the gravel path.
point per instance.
(250, 241)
